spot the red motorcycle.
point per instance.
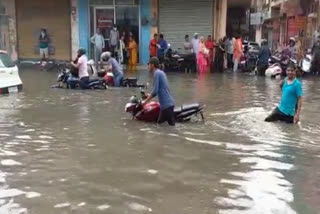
(150, 112)
(108, 77)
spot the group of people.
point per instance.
(124, 50)
(158, 47)
(208, 54)
(80, 68)
(293, 50)
(289, 109)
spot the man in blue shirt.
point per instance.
(264, 56)
(161, 89)
(291, 101)
(115, 68)
(162, 47)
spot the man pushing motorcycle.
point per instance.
(161, 89)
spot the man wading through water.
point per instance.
(161, 89)
(291, 101)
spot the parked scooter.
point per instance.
(150, 112)
(305, 63)
(173, 61)
(248, 62)
(274, 71)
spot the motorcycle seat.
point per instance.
(130, 81)
(93, 80)
(186, 107)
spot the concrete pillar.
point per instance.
(8, 28)
(83, 24)
(74, 28)
(145, 13)
(220, 18)
(154, 17)
(224, 10)
(259, 34)
(259, 5)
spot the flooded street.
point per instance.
(72, 151)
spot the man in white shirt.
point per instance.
(82, 67)
(99, 45)
(195, 44)
(229, 45)
(114, 39)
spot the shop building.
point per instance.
(285, 19)
(71, 23)
(54, 16)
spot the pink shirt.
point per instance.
(83, 67)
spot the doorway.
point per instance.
(104, 17)
(125, 17)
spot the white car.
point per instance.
(10, 81)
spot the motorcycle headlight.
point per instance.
(130, 107)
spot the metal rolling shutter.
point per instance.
(54, 15)
(180, 17)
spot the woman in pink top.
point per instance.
(202, 56)
(237, 53)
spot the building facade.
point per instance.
(284, 19)
(71, 23)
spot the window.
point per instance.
(101, 2)
(5, 61)
(126, 2)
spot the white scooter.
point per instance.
(274, 71)
(305, 63)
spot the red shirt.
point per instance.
(153, 47)
(209, 45)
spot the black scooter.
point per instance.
(69, 79)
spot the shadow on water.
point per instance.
(77, 151)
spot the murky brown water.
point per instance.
(65, 151)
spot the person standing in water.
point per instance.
(290, 106)
(161, 89)
(115, 67)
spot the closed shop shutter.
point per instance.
(54, 15)
(180, 17)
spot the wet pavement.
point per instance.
(72, 151)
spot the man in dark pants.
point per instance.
(291, 101)
(162, 47)
(161, 89)
(264, 56)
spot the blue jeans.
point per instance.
(117, 80)
(84, 83)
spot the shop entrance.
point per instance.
(104, 17)
(124, 14)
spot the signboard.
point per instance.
(105, 18)
(256, 18)
(301, 22)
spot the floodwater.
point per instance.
(70, 151)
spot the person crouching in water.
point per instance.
(291, 101)
(115, 68)
(161, 89)
(81, 64)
